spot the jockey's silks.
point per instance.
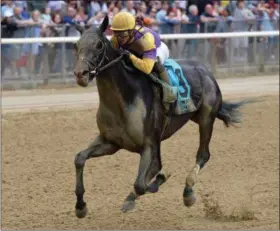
(143, 47)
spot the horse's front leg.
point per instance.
(99, 147)
(161, 178)
(150, 165)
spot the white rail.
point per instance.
(164, 36)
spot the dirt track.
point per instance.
(237, 189)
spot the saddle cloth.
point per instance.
(179, 92)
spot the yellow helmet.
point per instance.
(123, 21)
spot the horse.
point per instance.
(131, 115)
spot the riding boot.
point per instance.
(159, 68)
(169, 92)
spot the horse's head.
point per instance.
(90, 51)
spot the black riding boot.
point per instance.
(169, 96)
(159, 69)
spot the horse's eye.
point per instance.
(99, 45)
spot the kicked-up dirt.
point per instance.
(237, 189)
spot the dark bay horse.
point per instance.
(131, 115)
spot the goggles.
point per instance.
(121, 34)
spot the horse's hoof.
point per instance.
(189, 200)
(81, 213)
(153, 188)
(128, 206)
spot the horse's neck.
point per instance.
(114, 86)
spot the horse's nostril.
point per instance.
(85, 72)
(80, 74)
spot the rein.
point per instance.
(97, 71)
(99, 68)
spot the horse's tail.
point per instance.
(230, 113)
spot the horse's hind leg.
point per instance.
(150, 165)
(205, 119)
(100, 147)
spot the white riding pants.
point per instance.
(162, 52)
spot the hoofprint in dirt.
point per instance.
(239, 190)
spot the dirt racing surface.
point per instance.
(237, 189)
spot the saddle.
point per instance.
(176, 97)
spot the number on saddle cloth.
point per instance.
(178, 80)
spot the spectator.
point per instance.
(143, 8)
(194, 19)
(111, 8)
(273, 7)
(181, 5)
(220, 43)
(137, 5)
(160, 17)
(81, 16)
(172, 18)
(46, 16)
(56, 25)
(192, 27)
(115, 11)
(201, 4)
(150, 20)
(8, 26)
(55, 50)
(37, 49)
(232, 5)
(242, 18)
(118, 4)
(142, 14)
(17, 50)
(97, 19)
(155, 5)
(74, 4)
(112, 11)
(209, 20)
(21, 4)
(95, 7)
(129, 8)
(70, 31)
(24, 9)
(56, 6)
(266, 24)
(8, 8)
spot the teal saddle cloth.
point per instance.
(179, 92)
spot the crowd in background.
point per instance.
(33, 18)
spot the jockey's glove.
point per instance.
(125, 53)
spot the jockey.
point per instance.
(141, 44)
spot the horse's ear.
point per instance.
(79, 28)
(104, 24)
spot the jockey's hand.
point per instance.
(125, 53)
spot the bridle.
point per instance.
(100, 66)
